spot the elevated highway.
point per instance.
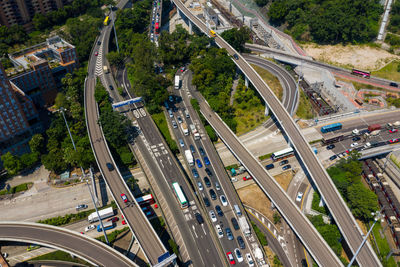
(86, 248)
(338, 208)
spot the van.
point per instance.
(237, 210)
(270, 166)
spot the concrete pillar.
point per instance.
(190, 27)
(246, 81)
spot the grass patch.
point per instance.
(315, 203)
(389, 71)
(16, 189)
(304, 110)
(60, 256)
(266, 156)
(161, 122)
(383, 246)
(271, 80)
(112, 236)
(261, 237)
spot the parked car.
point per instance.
(124, 197)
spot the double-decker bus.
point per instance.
(331, 127)
(145, 200)
(332, 139)
(106, 21)
(365, 74)
(180, 196)
(284, 153)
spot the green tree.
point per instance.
(36, 143)
(11, 163)
(362, 201)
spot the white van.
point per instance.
(237, 210)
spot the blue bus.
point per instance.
(331, 127)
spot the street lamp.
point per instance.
(377, 217)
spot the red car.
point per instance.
(393, 131)
(393, 141)
(115, 219)
(96, 54)
(231, 259)
(124, 198)
(248, 177)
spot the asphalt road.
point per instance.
(89, 249)
(339, 210)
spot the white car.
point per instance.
(354, 144)
(212, 216)
(223, 200)
(90, 227)
(249, 260)
(238, 255)
(299, 196)
(220, 233)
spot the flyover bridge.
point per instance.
(338, 208)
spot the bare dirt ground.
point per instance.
(362, 57)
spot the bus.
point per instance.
(333, 139)
(145, 200)
(212, 33)
(180, 196)
(106, 21)
(365, 74)
(331, 127)
(287, 152)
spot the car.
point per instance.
(238, 255)
(220, 233)
(199, 218)
(331, 146)
(174, 124)
(200, 185)
(198, 162)
(235, 223)
(195, 173)
(394, 84)
(235, 56)
(219, 210)
(229, 233)
(231, 259)
(124, 197)
(393, 131)
(115, 219)
(223, 200)
(240, 242)
(333, 157)
(356, 138)
(217, 186)
(212, 216)
(201, 151)
(181, 143)
(283, 162)
(206, 161)
(247, 177)
(286, 167)
(299, 196)
(96, 54)
(192, 149)
(207, 181)
(111, 87)
(206, 201)
(212, 194)
(98, 42)
(110, 167)
(393, 141)
(81, 207)
(269, 166)
(90, 227)
(179, 119)
(354, 144)
(209, 173)
(249, 260)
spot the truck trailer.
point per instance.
(189, 157)
(104, 213)
(244, 226)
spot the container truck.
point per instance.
(374, 127)
(189, 157)
(195, 132)
(184, 128)
(244, 226)
(105, 213)
(177, 82)
(107, 226)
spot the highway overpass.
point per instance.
(86, 248)
(338, 208)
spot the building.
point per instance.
(21, 12)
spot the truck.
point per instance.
(177, 82)
(104, 213)
(184, 128)
(189, 157)
(244, 226)
(105, 69)
(374, 127)
(194, 132)
(107, 226)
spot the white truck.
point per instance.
(189, 157)
(244, 226)
(184, 128)
(177, 82)
(195, 132)
(105, 213)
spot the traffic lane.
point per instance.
(87, 248)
